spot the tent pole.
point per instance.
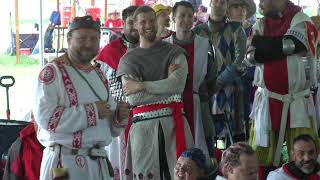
(73, 9)
(105, 10)
(58, 41)
(17, 31)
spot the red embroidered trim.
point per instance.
(105, 81)
(91, 115)
(47, 75)
(77, 139)
(55, 118)
(127, 172)
(140, 176)
(72, 93)
(150, 175)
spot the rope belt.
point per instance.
(287, 99)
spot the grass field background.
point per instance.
(20, 94)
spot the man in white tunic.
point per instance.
(75, 115)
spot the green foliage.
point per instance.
(285, 155)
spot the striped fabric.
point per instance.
(230, 47)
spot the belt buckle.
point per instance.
(90, 152)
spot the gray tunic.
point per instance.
(142, 159)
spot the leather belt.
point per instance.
(91, 152)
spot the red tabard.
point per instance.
(188, 91)
(276, 72)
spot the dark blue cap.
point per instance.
(84, 22)
(196, 155)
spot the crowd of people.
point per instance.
(151, 103)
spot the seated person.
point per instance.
(114, 20)
(24, 156)
(190, 165)
(239, 162)
(304, 164)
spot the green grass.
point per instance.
(25, 61)
(20, 94)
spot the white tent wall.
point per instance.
(28, 15)
(5, 25)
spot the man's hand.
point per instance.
(123, 111)
(103, 109)
(132, 86)
(172, 68)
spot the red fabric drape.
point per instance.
(117, 49)
(27, 164)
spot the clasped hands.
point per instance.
(132, 86)
(104, 111)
